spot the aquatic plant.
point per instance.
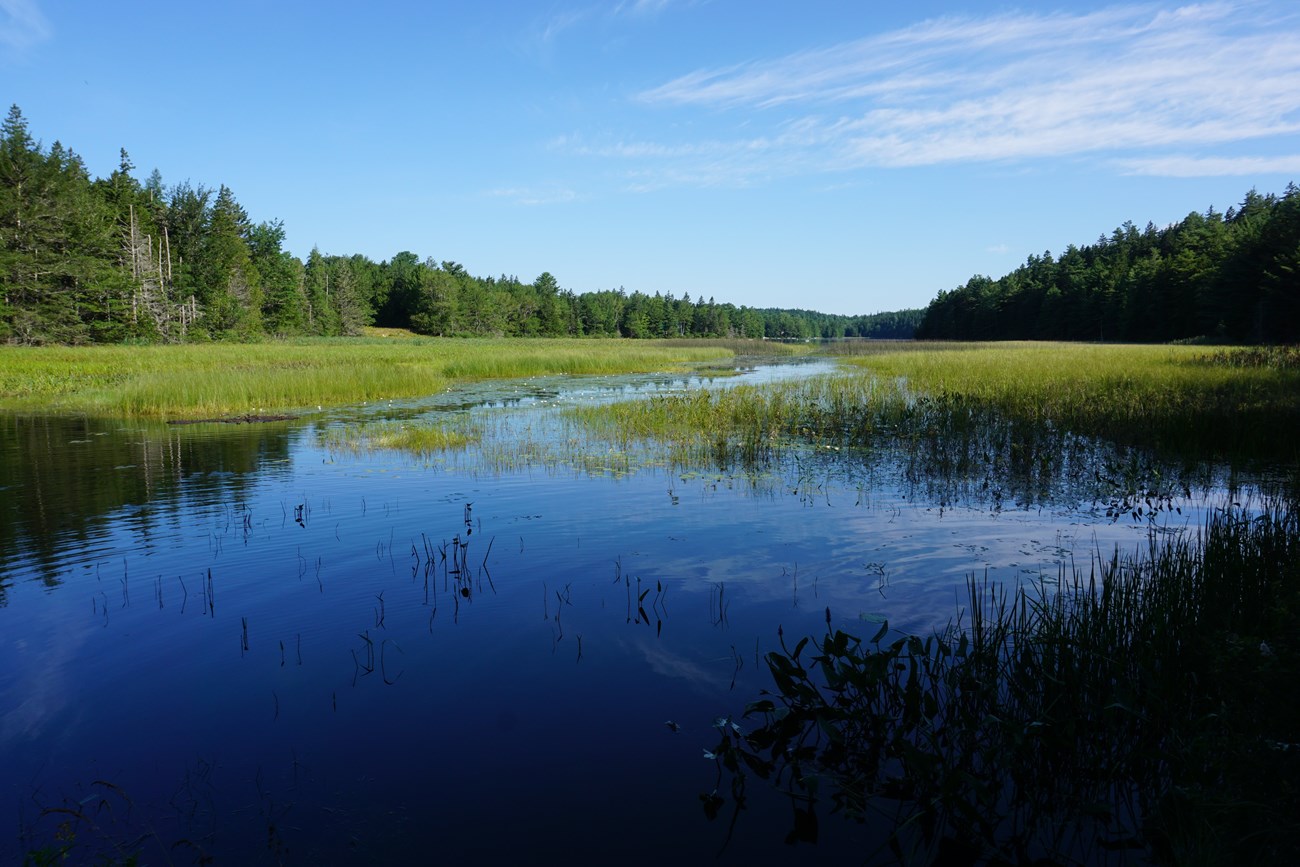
(414, 437)
(1182, 402)
(1147, 707)
(100, 826)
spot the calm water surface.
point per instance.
(244, 644)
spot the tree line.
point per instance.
(117, 259)
(1232, 277)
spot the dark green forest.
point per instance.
(1230, 277)
(118, 259)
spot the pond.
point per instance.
(251, 643)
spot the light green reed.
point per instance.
(233, 379)
(1193, 401)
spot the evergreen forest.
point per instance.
(117, 259)
(1216, 277)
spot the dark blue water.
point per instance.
(236, 642)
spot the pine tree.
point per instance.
(229, 285)
(322, 317)
(350, 309)
(284, 297)
(56, 249)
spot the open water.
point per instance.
(235, 642)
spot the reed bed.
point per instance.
(1145, 711)
(865, 346)
(1188, 400)
(1184, 402)
(743, 345)
(417, 438)
(171, 382)
(754, 422)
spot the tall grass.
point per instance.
(744, 345)
(413, 437)
(1182, 401)
(223, 379)
(755, 421)
(881, 347)
(1146, 708)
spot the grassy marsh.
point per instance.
(1191, 402)
(223, 379)
(420, 438)
(1187, 399)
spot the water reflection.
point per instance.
(282, 652)
(65, 477)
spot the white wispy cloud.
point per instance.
(555, 25)
(22, 24)
(535, 195)
(1131, 83)
(563, 20)
(643, 7)
(1200, 167)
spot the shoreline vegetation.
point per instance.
(234, 380)
(1195, 403)
(1221, 402)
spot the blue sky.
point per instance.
(827, 155)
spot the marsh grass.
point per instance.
(221, 379)
(753, 423)
(862, 347)
(743, 346)
(1278, 357)
(1182, 400)
(555, 456)
(420, 438)
(1184, 403)
(854, 416)
(1147, 708)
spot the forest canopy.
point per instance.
(1230, 277)
(118, 259)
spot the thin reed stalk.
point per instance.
(1146, 708)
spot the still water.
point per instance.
(239, 642)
